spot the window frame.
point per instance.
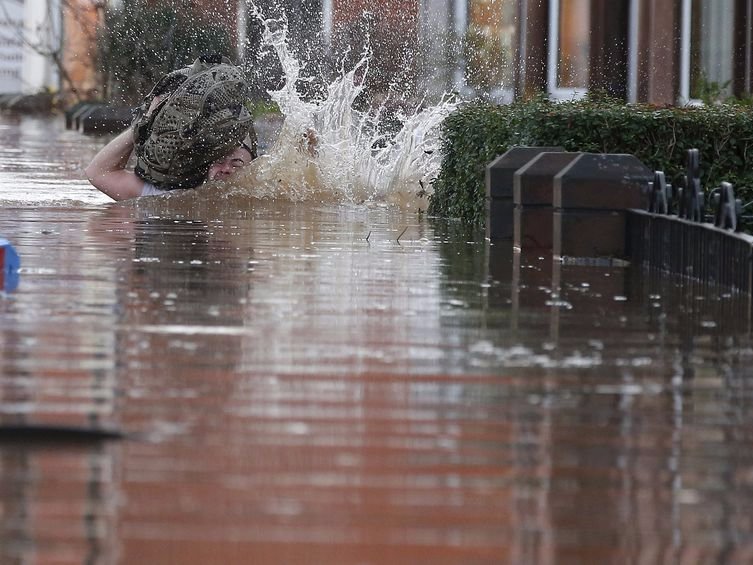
(327, 22)
(686, 36)
(555, 91)
(501, 94)
(634, 25)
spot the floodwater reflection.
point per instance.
(300, 386)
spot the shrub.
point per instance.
(478, 132)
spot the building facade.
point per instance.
(48, 45)
(657, 51)
(11, 45)
(30, 30)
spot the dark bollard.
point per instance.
(10, 263)
(660, 194)
(590, 198)
(691, 205)
(499, 188)
(693, 163)
(532, 196)
(728, 208)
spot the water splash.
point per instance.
(329, 150)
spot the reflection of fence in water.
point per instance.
(698, 250)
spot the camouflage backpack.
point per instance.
(202, 118)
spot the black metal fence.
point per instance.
(674, 236)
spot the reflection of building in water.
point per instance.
(59, 372)
(623, 432)
(59, 504)
(183, 277)
(184, 259)
(58, 501)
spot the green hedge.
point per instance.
(478, 132)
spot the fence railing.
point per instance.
(674, 236)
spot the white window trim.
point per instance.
(461, 26)
(685, 48)
(501, 94)
(241, 28)
(327, 22)
(633, 50)
(556, 92)
(749, 47)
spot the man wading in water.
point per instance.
(107, 171)
(192, 127)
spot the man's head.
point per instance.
(236, 159)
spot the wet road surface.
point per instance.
(293, 392)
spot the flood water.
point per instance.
(344, 383)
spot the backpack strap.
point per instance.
(142, 123)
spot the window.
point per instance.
(569, 45)
(489, 46)
(707, 49)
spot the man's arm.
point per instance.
(107, 170)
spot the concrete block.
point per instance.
(83, 111)
(499, 259)
(83, 115)
(41, 102)
(70, 112)
(500, 220)
(106, 119)
(532, 273)
(533, 228)
(499, 173)
(533, 183)
(532, 195)
(589, 233)
(499, 188)
(9, 100)
(603, 182)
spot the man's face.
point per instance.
(223, 168)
